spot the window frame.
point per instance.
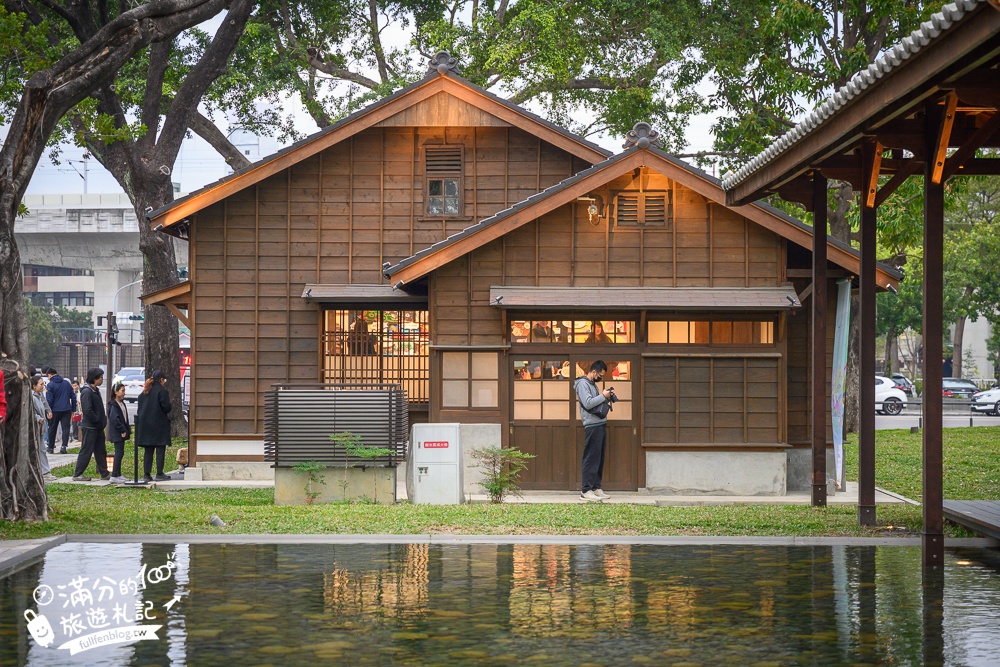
(444, 175)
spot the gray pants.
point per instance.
(43, 459)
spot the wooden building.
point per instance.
(450, 241)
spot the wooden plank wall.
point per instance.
(335, 218)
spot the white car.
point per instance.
(987, 401)
(888, 399)
(133, 378)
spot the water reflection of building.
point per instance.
(395, 592)
(547, 597)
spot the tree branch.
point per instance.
(152, 98)
(210, 67)
(584, 83)
(208, 131)
(377, 41)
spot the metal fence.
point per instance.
(299, 419)
(73, 360)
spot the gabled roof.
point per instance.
(434, 82)
(475, 236)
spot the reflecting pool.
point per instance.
(490, 604)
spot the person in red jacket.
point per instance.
(3, 400)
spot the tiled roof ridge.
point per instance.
(902, 51)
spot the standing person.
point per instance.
(359, 340)
(594, 407)
(39, 409)
(152, 425)
(119, 428)
(74, 433)
(92, 428)
(62, 401)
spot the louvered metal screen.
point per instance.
(443, 160)
(299, 419)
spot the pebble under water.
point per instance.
(488, 604)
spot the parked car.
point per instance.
(987, 401)
(958, 388)
(889, 400)
(903, 383)
(132, 377)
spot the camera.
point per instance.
(613, 398)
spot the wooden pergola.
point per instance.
(925, 107)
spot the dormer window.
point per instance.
(443, 169)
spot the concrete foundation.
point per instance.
(800, 470)
(336, 484)
(717, 473)
(235, 470)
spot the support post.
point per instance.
(933, 502)
(112, 337)
(866, 357)
(819, 394)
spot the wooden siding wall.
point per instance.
(332, 218)
(709, 245)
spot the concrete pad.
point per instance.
(14, 553)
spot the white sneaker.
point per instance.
(600, 494)
(590, 496)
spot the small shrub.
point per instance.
(354, 447)
(311, 469)
(502, 468)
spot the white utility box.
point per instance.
(434, 465)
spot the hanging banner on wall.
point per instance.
(840, 375)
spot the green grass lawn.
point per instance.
(128, 467)
(971, 472)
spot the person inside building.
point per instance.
(152, 425)
(95, 419)
(597, 334)
(359, 339)
(62, 401)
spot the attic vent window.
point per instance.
(643, 209)
(443, 169)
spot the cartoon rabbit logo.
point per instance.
(39, 628)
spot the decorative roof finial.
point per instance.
(443, 62)
(642, 136)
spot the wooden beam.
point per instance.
(178, 314)
(932, 535)
(974, 143)
(872, 173)
(819, 403)
(939, 152)
(866, 360)
(912, 167)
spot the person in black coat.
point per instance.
(119, 428)
(152, 425)
(92, 428)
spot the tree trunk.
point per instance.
(161, 338)
(956, 347)
(47, 98)
(892, 352)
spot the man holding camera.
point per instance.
(594, 408)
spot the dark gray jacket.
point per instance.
(591, 401)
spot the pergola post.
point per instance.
(871, 154)
(819, 394)
(933, 532)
